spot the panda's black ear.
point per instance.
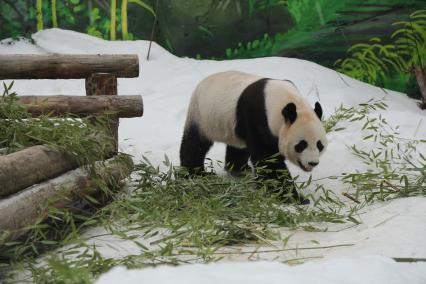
(289, 113)
(318, 110)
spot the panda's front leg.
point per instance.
(271, 168)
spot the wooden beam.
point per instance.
(122, 106)
(30, 166)
(66, 66)
(25, 208)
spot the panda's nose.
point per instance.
(312, 164)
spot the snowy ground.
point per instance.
(392, 229)
(369, 269)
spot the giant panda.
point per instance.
(259, 118)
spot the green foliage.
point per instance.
(77, 137)
(22, 18)
(396, 168)
(310, 14)
(95, 23)
(352, 114)
(124, 31)
(259, 5)
(375, 61)
(144, 6)
(257, 48)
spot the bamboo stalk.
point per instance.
(124, 29)
(350, 197)
(113, 19)
(54, 16)
(39, 15)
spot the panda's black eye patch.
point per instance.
(301, 146)
(320, 146)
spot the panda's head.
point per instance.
(302, 138)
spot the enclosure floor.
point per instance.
(394, 229)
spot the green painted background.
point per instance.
(328, 32)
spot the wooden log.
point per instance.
(30, 166)
(31, 205)
(66, 66)
(106, 84)
(122, 106)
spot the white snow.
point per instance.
(361, 270)
(392, 229)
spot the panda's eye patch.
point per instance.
(301, 146)
(320, 146)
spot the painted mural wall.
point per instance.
(378, 41)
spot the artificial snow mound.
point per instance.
(362, 270)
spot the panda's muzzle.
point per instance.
(311, 166)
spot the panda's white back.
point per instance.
(215, 113)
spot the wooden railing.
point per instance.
(38, 176)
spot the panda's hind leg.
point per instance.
(193, 149)
(236, 160)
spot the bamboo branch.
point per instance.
(153, 29)
(351, 197)
(393, 187)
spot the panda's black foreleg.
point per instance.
(193, 150)
(271, 168)
(236, 160)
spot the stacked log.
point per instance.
(32, 165)
(31, 205)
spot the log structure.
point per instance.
(26, 207)
(122, 106)
(31, 165)
(63, 66)
(31, 180)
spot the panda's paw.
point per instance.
(304, 201)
